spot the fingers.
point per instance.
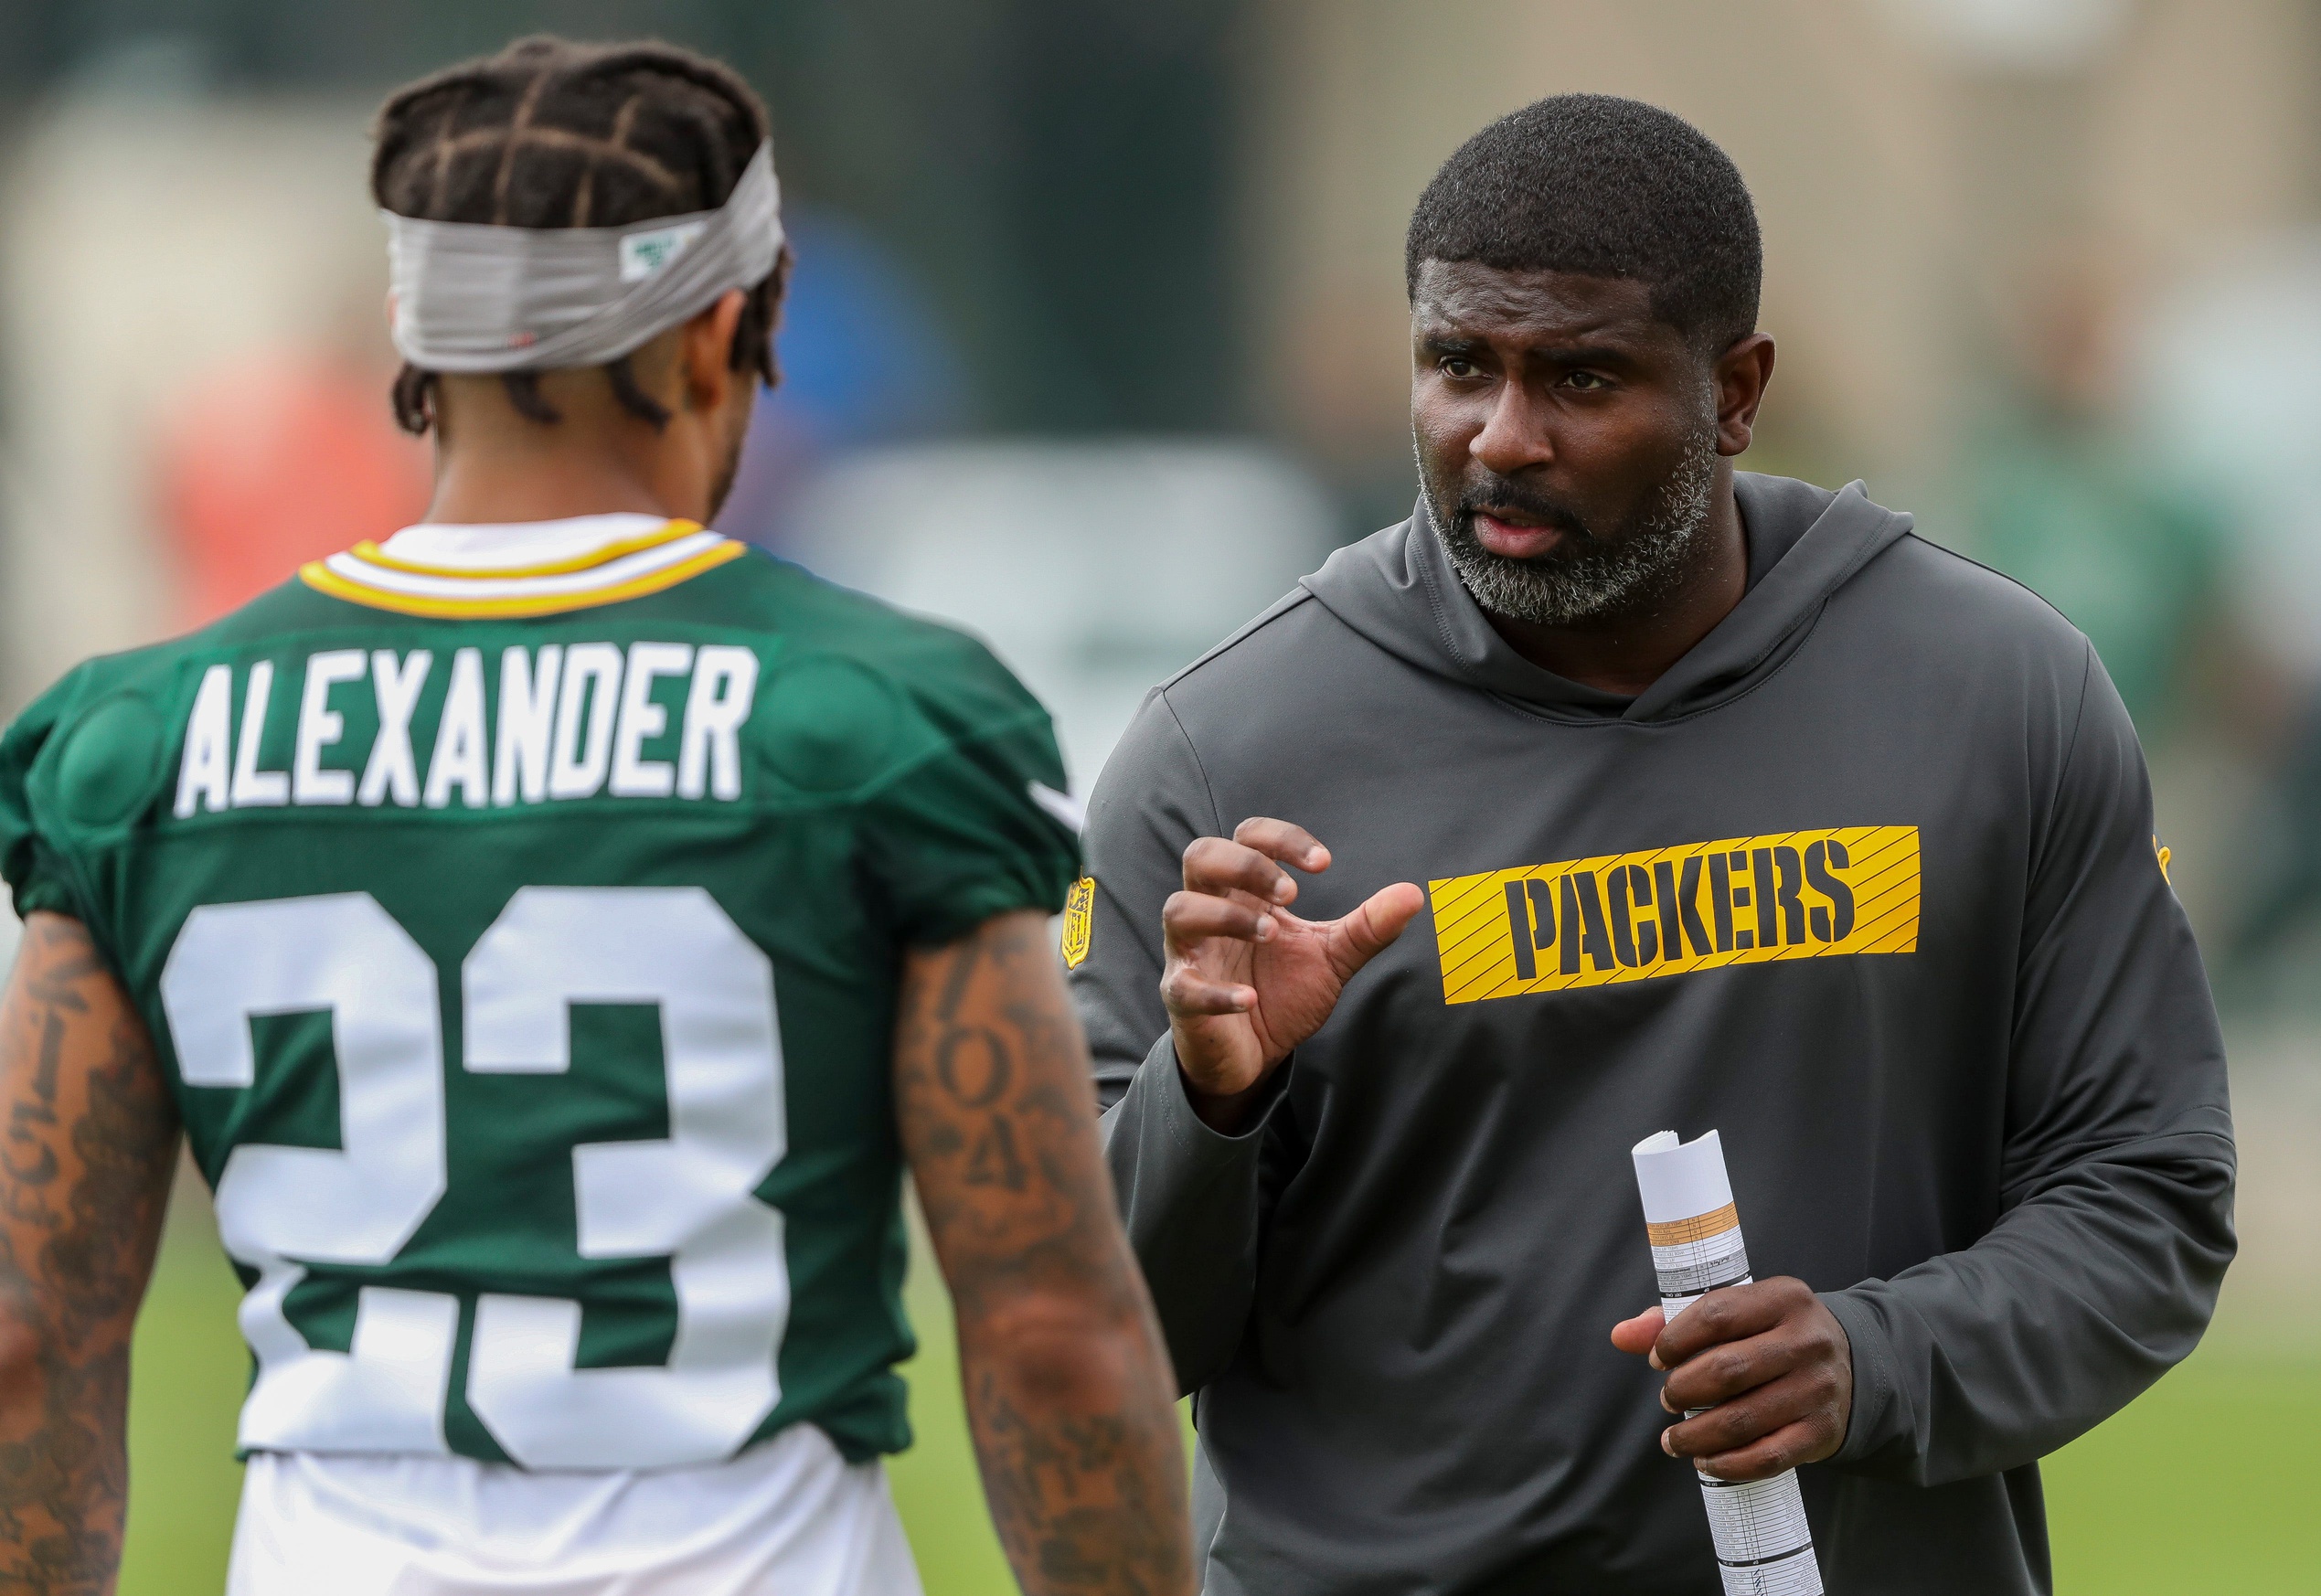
(1722, 1373)
(1636, 1335)
(1188, 993)
(1776, 1427)
(1361, 935)
(1727, 1315)
(1216, 866)
(1190, 918)
(1786, 1447)
(1773, 1327)
(1767, 1373)
(1293, 844)
(1793, 1396)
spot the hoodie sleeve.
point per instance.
(2115, 1219)
(1193, 1200)
(1151, 801)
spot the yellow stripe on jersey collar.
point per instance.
(367, 575)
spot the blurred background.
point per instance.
(1097, 343)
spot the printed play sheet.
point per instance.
(1764, 1546)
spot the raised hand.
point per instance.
(1246, 980)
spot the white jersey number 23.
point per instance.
(689, 1197)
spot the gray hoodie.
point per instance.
(1866, 882)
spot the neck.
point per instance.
(1627, 651)
(478, 487)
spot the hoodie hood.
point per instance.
(1398, 589)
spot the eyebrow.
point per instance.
(1585, 353)
(1576, 353)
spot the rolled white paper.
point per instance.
(1764, 1546)
(1679, 1180)
(1688, 1215)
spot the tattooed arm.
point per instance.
(88, 1135)
(1068, 1390)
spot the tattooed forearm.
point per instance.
(1067, 1384)
(88, 1135)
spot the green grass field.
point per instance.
(2195, 1488)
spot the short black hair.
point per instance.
(551, 133)
(1609, 187)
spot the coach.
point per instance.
(1735, 805)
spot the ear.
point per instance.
(781, 265)
(1743, 372)
(708, 346)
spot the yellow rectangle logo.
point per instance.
(1666, 911)
(1080, 922)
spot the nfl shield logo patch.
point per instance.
(1080, 918)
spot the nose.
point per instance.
(1514, 435)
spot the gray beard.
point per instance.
(1599, 576)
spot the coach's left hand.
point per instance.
(1768, 1361)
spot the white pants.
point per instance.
(790, 1516)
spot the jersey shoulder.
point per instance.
(849, 669)
(950, 761)
(86, 755)
(148, 674)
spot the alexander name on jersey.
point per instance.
(558, 722)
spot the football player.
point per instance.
(553, 928)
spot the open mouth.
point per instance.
(1516, 534)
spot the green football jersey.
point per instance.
(523, 947)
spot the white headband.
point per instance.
(471, 297)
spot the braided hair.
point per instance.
(550, 133)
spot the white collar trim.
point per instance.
(486, 546)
